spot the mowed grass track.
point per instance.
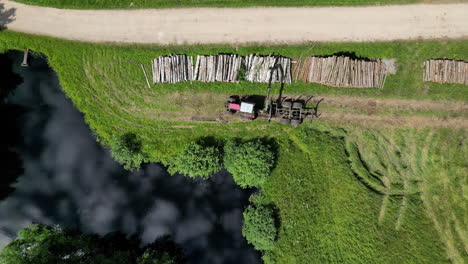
(134, 4)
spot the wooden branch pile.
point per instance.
(172, 69)
(217, 68)
(341, 71)
(446, 71)
(258, 68)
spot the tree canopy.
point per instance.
(127, 150)
(41, 244)
(198, 160)
(259, 227)
(250, 162)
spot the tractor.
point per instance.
(290, 112)
(247, 108)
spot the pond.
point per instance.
(71, 180)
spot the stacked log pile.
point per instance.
(217, 68)
(258, 69)
(341, 71)
(172, 69)
(446, 71)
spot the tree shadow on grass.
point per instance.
(350, 54)
(211, 141)
(6, 16)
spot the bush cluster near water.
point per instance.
(259, 226)
(250, 162)
(198, 159)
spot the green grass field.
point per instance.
(106, 84)
(345, 193)
(134, 4)
(408, 167)
(329, 216)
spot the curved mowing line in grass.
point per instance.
(442, 193)
(430, 163)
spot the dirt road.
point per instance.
(229, 25)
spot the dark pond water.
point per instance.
(71, 180)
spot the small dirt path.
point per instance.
(381, 112)
(397, 121)
(243, 25)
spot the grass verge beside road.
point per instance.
(135, 4)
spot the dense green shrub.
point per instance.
(127, 150)
(259, 227)
(250, 163)
(258, 199)
(197, 160)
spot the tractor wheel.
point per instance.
(295, 122)
(297, 105)
(285, 121)
(246, 118)
(286, 104)
(232, 99)
(230, 112)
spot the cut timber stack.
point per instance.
(172, 69)
(217, 68)
(446, 71)
(258, 69)
(341, 71)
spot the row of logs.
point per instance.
(172, 69)
(446, 71)
(341, 71)
(220, 68)
(259, 69)
(338, 71)
(217, 68)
